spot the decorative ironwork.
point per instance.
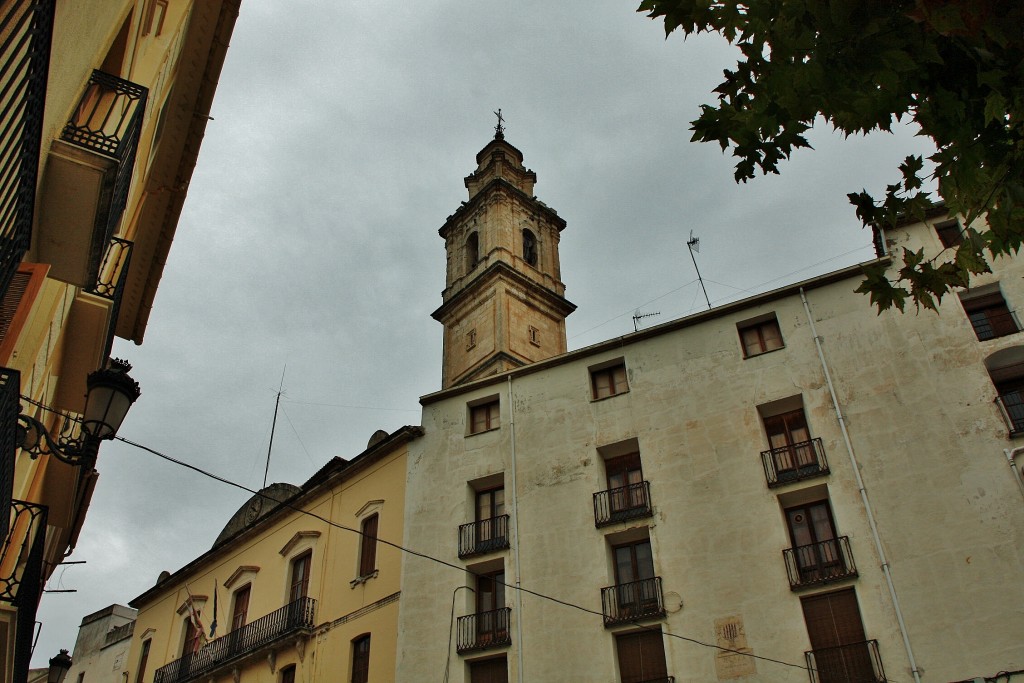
(822, 562)
(113, 272)
(71, 444)
(10, 383)
(26, 29)
(484, 630)
(487, 535)
(623, 503)
(294, 618)
(631, 601)
(108, 121)
(851, 663)
(786, 464)
(27, 538)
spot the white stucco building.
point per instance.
(101, 649)
(791, 477)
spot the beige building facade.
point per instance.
(101, 649)
(787, 488)
(302, 583)
(103, 105)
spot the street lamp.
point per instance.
(111, 392)
(59, 666)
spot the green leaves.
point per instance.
(955, 67)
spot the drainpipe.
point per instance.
(863, 494)
(1011, 454)
(515, 532)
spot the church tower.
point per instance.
(503, 304)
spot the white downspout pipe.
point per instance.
(515, 532)
(1011, 454)
(863, 493)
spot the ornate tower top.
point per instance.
(503, 302)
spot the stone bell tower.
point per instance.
(504, 303)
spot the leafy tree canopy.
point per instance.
(954, 67)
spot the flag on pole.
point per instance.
(197, 623)
(213, 624)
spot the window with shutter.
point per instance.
(641, 656)
(368, 546)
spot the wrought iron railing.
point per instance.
(851, 663)
(802, 460)
(26, 30)
(822, 562)
(296, 617)
(484, 630)
(113, 272)
(1011, 405)
(632, 501)
(22, 555)
(484, 536)
(630, 601)
(10, 406)
(107, 121)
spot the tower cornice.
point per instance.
(500, 269)
(500, 185)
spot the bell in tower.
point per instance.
(503, 302)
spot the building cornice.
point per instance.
(497, 270)
(485, 193)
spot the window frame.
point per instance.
(368, 528)
(989, 313)
(633, 656)
(531, 248)
(246, 592)
(759, 325)
(305, 561)
(609, 372)
(490, 410)
(950, 233)
(143, 660)
(361, 658)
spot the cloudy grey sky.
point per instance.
(342, 134)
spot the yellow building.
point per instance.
(298, 584)
(103, 104)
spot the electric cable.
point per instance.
(416, 553)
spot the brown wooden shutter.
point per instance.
(368, 552)
(489, 671)
(11, 300)
(641, 656)
(833, 619)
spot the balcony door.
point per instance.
(814, 541)
(634, 571)
(625, 483)
(491, 619)
(490, 505)
(641, 657)
(239, 611)
(790, 442)
(841, 653)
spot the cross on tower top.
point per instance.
(499, 130)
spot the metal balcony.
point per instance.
(10, 406)
(295, 618)
(817, 563)
(485, 536)
(26, 29)
(484, 630)
(90, 170)
(628, 602)
(621, 504)
(786, 464)
(851, 663)
(110, 279)
(21, 584)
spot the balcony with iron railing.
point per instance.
(817, 563)
(484, 630)
(851, 663)
(110, 280)
(254, 638)
(485, 536)
(10, 406)
(21, 582)
(90, 167)
(631, 601)
(622, 504)
(794, 462)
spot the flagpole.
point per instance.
(273, 426)
(691, 243)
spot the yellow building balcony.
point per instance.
(251, 640)
(89, 170)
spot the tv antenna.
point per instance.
(638, 316)
(694, 244)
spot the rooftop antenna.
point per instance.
(277, 404)
(638, 316)
(694, 244)
(499, 130)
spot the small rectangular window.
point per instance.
(641, 656)
(368, 546)
(989, 315)
(489, 671)
(609, 381)
(760, 337)
(143, 660)
(241, 607)
(300, 577)
(361, 659)
(484, 417)
(950, 233)
(288, 674)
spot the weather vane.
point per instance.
(499, 130)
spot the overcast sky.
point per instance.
(308, 245)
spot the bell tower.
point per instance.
(503, 302)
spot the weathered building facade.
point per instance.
(103, 104)
(298, 584)
(785, 487)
